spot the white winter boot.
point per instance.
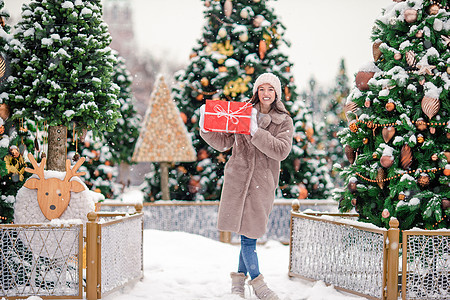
(261, 289)
(237, 283)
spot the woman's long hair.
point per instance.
(278, 108)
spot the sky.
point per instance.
(320, 32)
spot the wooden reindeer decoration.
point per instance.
(53, 194)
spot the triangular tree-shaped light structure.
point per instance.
(163, 137)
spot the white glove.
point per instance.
(254, 122)
(202, 118)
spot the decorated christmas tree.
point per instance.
(164, 140)
(398, 140)
(240, 41)
(305, 173)
(336, 121)
(61, 69)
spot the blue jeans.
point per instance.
(248, 259)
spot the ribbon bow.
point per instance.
(229, 115)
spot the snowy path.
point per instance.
(184, 266)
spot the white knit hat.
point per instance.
(270, 79)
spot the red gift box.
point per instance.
(228, 116)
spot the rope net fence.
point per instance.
(121, 252)
(338, 254)
(41, 260)
(201, 218)
(426, 265)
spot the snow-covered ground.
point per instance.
(185, 266)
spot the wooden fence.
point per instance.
(364, 259)
(46, 260)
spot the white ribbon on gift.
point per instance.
(220, 112)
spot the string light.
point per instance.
(398, 175)
(372, 125)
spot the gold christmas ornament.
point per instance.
(434, 157)
(381, 176)
(420, 139)
(430, 106)
(447, 155)
(257, 21)
(249, 70)
(4, 111)
(410, 15)
(350, 153)
(227, 8)
(445, 204)
(406, 157)
(199, 97)
(204, 81)
(353, 126)
(401, 196)
(447, 170)
(351, 186)
(432, 130)
(410, 58)
(386, 161)
(423, 180)
(287, 93)
(390, 106)
(376, 50)
(222, 69)
(375, 155)
(350, 106)
(365, 141)
(243, 37)
(397, 56)
(433, 9)
(388, 133)
(262, 49)
(421, 125)
(244, 14)
(222, 32)
(362, 78)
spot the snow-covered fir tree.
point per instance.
(62, 71)
(240, 41)
(399, 129)
(105, 154)
(305, 172)
(12, 174)
(335, 121)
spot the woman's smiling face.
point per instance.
(266, 94)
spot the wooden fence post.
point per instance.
(392, 263)
(225, 236)
(91, 256)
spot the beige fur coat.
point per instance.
(252, 172)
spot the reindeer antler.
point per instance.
(38, 170)
(73, 172)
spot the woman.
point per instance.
(251, 177)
